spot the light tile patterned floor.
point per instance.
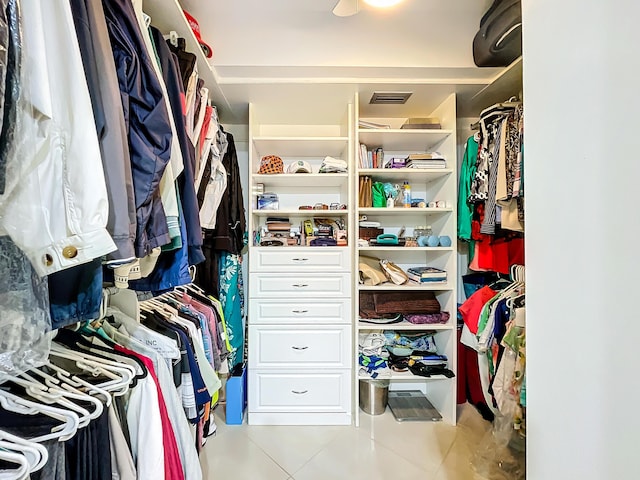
(380, 449)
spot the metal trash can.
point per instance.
(373, 396)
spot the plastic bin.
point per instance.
(374, 395)
(236, 398)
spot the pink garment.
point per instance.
(172, 463)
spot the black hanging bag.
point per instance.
(499, 40)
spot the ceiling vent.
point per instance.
(390, 98)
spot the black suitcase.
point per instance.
(499, 40)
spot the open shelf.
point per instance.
(300, 213)
(391, 286)
(407, 376)
(302, 179)
(401, 140)
(405, 249)
(404, 325)
(402, 211)
(395, 174)
(317, 147)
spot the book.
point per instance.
(417, 279)
(425, 156)
(427, 272)
(421, 126)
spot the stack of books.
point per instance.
(425, 160)
(426, 275)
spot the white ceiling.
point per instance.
(275, 51)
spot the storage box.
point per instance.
(268, 201)
(367, 233)
(236, 392)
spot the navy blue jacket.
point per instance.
(186, 181)
(147, 118)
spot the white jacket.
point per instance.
(55, 205)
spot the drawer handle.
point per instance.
(300, 311)
(299, 348)
(299, 393)
(300, 259)
(300, 285)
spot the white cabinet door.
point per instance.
(276, 285)
(321, 346)
(293, 259)
(300, 311)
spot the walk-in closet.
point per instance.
(312, 239)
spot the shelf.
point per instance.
(408, 376)
(300, 213)
(402, 140)
(318, 147)
(167, 15)
(402, 211)
(391, 286)
(405, 249)
(302, 179)
(405, 326)
(393, 174)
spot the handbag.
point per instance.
(364, 192)
(370, 271)
(393, 272)
(498, 42)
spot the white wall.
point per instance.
(582, 117)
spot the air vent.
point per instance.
(390, 98)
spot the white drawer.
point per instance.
(294, 259)
(322, 346)
(289, 391)
(287, 285)
(316, 310)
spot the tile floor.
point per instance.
(380, 448)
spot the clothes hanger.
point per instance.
(75, 340)
(27, 445)
(53, 395)
(63, 382)
(119, 374)
(63, 432)
(20, 473)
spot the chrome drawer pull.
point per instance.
(299, 393)
(300, 285)
(299, 348)
(300, 311)
(300, 259)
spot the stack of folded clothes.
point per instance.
(333, 165)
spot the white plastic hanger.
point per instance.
(35, 453)
(20, 473)
(120, 374)
(63, 432)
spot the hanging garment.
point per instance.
(55, 206)
(24, 312)
(467, 173)
(102, 80)
(489, 222)
(231, 222)
(122, 466)
(231, 298)
(10, 65)
(146, 115)
(186, 181)
(186, 60)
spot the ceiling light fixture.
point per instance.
(382, 3)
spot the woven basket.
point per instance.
(406, 302)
